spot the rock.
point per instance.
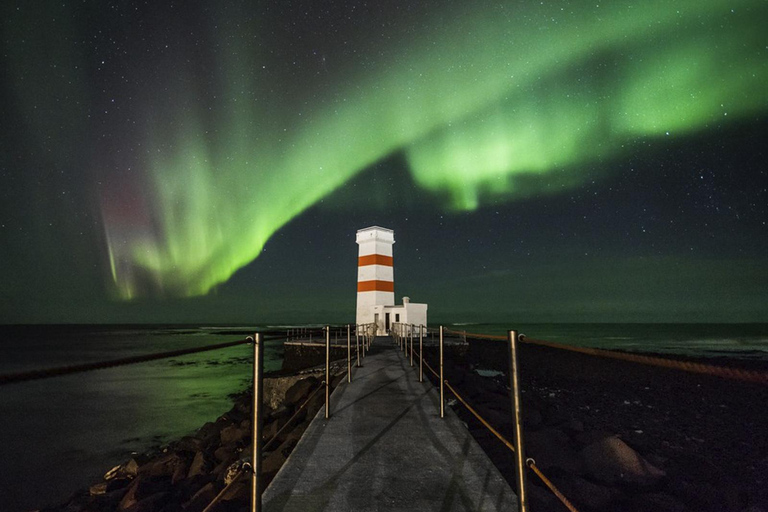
(103, 488)
(189, 444)
(611, 460)
(270, 430)
(335, 381)
(300, 390)
(239, 491)
(271, 465)
(128, 470)
(235, 469)
(166, 465)
(202, 498)
(225, 453)
(200, 465)
(592, 436)
(184, 490)
(151, 503)
(210, 433)
(180, 472)
(130, 498)
(98, 489)
(551, 448)
(233, 434)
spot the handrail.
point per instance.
(258, 341)
(529, 462)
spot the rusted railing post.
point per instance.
(442, 382)
(327, 370)
(421, 353)
(256, 419)
(514, 381)
(349, 356)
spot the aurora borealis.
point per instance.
(154, 152)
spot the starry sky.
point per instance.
(555, 161)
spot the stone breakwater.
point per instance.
(187, 474)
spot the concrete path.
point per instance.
(385, 447)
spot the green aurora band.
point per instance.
(503, 101)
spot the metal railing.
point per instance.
(403, 334)
(364, 336)
(400, 334)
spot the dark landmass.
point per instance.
(616, 435)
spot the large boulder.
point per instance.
(300, 390)
(128, 470)
(611, 460)
(233, 434)
(165, 466)
(202, 498)
(201, 465)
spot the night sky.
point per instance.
(210, 162)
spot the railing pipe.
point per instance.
(421, 353)
(349, 356)
(256, 419)
(514, 368)
(327, 370)
(410, 336)
(357, 344)
(442, 381)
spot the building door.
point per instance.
(386, 319)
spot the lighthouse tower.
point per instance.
(375, 273)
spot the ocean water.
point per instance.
(737, 341)
(60, 434)
(63, 433)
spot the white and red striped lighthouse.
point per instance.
(375, 273)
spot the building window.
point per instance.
(397, 317)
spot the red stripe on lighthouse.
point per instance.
(374, 259)
(375, 286)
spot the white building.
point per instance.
(376, 284)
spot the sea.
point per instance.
(61, 434)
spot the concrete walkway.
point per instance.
(385, 447)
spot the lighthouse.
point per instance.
(376, 283)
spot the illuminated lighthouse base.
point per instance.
(376, 283)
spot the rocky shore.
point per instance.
(188, 474)
(620, 436)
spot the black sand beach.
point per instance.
(705, 435)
